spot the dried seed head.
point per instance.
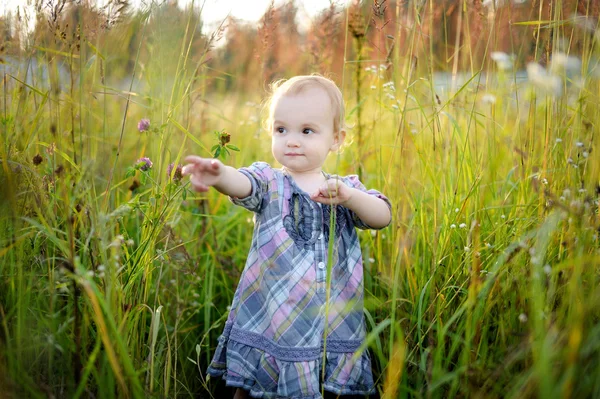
(37, 159)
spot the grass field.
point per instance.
(115, 277)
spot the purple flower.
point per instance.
(144, 164)
(144, 125)
(178, 175)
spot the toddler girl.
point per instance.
(273, 342)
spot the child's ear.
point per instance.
(338, 140)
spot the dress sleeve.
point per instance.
(353, 182)
(259, 174)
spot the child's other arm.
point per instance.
(206, 172)
(373, 211)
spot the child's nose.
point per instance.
(292, 142)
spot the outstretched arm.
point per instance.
(373, 211)
(206, 172)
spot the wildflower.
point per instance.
(488, 99)
(544, 81)
(224, 137)
(37, 159)
(523, 318)
(144, 164)
(467, 249)
(579, 144)
(462, 225)
(503, 216)
(562, 63)
(177, 175)
(456, 210)
(371, 260)
(503, 60)
(559, 140)
(143, 125)
(373, 87)
(395, 106)
(452, 226)
(585, 154)
(547, 269)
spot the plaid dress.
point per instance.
(273, 341)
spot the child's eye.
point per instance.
(280, 130)
(308, 131)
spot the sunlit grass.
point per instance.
(115, 281)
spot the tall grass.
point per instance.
(115, 281)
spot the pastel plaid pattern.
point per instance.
(273, 343)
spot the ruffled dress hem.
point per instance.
(268, 377)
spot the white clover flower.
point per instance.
(467, 249)
(585, 154)
(371, 260)
(503, 61)
(488, 99)
(452, 226)
(547, 269)
(523, 318)
(562, 63)
(543, 81)
(462, 225)
(579, 144)
(503, 216)
(456, 210)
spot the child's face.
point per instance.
(303, 130)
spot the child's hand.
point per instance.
(204, 172)
(332, 192)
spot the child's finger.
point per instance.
(195, 159)
(198, 185)
(188, 169)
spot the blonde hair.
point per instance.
(296, 85)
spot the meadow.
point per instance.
(115, 278)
